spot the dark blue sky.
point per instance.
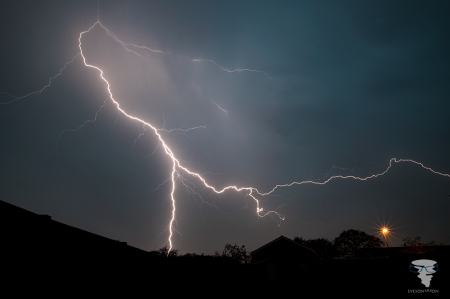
(349, 84)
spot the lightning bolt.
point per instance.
(43, 88)
(354, 177)
(181, 130)
(141, 134)
(232, 71)
(226, 112)
(177, 168)
(81, 126)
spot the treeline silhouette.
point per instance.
(345, 246)
(231, 254)
(340, 266)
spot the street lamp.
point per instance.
(385, 231)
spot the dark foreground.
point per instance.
(388, 276)
(44, 256)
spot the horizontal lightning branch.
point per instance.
(232, 71)
(182, 130)
(354, 177)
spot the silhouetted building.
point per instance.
(284, 259)
(33, 244)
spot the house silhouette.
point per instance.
(283, 259)
(37, 248)
(35, 245)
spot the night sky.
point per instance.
(349, 84)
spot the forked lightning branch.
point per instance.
(178, 169)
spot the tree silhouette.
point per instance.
(323, 247)
(237, 254)
(415, 246)
(349, 242)
(191, 255)
(164, 250)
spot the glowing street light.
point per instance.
(386, 231)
